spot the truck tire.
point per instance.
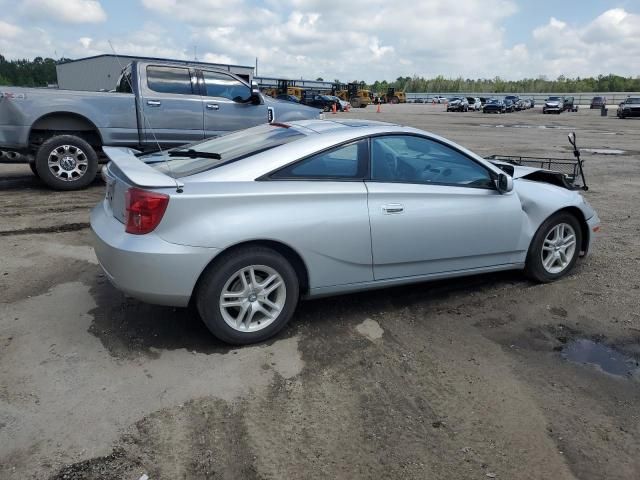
(66, 162)
(355, 102)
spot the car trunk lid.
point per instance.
(125, 171)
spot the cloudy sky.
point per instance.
(352, 39)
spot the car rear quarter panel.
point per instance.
(326, 223)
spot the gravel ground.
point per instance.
(462, 379)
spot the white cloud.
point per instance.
(354, 40)
(66, 11)
(605, 45)
(8, 30)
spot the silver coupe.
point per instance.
(246, 224)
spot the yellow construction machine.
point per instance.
(355, 94)
(393, 96)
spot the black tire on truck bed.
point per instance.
(74, 162)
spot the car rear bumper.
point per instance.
(145, 266)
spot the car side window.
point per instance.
(412, 159)
(344, 162)
(225, 86)
(169, 80)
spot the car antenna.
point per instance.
(145, 119)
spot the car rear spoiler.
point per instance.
(137, 171)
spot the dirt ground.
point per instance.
(463, 379)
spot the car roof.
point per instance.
(309, 127)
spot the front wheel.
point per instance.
(554, 249)
(66, 162)
(249, 296)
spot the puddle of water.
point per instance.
(607, 359)
(603, 151)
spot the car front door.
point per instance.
(227, 104)
(172, 106)
(433, 209)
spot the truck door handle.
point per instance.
(213, 106)
(391, 208)
(154, 103)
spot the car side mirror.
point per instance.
(504, 183)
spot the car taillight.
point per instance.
(144, 210)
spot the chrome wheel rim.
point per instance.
(68, 163)
(252, 298)
(558, 248)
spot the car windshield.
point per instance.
(554, 98)
(230, 147)
(494, 100)
(633, 100)
(597, 99)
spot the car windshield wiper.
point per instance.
(190, 153)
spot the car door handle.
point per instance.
(154, 103)
(391, 208)
(213, 106)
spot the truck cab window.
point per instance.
(174, 80)
(225, 86)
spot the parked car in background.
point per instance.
(243, 226)
(513, 99)
(438, 99)
(493, 105)
(484, 100)
(598, 102)
(155, 104)
(509, 106)
(288, 98)
(342, 105)
(457, 104)
(553, 104)
(474, 104)
(629, 108)
(533, 102)
(569, 105)
(324, 102)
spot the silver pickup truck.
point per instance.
(154, 105)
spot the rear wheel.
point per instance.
(66, 162)
(249, 296)
(555, 248)
(355, 102)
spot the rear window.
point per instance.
(231, 147)
(169, 80)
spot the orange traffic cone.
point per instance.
(333, 108)
(378, 110)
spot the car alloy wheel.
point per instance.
(252, 298)
(558, 248)
(68, 163)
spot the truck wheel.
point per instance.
(66, 162)
(355, 103)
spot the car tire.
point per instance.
(66, 162)
(223, 278)
(551, 256)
